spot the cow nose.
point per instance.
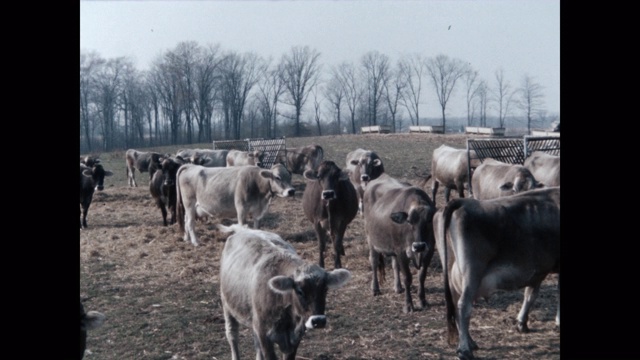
(259, 164)
(419, 246)
(290, 192)
(100, 187)
(316, 322)
(328, 195)
(364, 177)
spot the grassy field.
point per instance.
(161, 295)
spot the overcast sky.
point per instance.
(521, 37)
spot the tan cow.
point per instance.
(240, 158)
(505, 243)
(544, 167)
(300, 159)
(450, 167)
(142, 161)
(363, 166)
(237, 191)
(494, 179)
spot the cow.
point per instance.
(300, 159)
(450, 167)
(163, 187)
(239, 158)
(267, 287)
(330, 202)
(88, 321)
(140, 160)
(544, 167)
(227, 192)
(494, 179)
(398, 222)
(209, 158)
(363, 166)
(91, 179)
(504, 243)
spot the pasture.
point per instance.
(161, 295)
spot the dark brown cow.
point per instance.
(450, 167)
(266, 286)
(163, 187)
(363, 166)
(240, 158)
(300, 159)
(398, 222)
(544, 167)
(91, 179)
(330, 202)
(88, 321)
(494, 179)
(237, 191)
(500, 244)
(140, 160)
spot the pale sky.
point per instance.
(520, 37)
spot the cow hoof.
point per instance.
(465, 355)
(408, 309)
(424, 304)
(399, 290)
(523, 328)
(376, 292)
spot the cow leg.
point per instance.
(434, 189)
(163, 208)
(396, 275)
(189, 225)
(338, 248)
(447, 194)
(265, 349)
(321, 236)
(530, 295)
(465, 302)
(231, 328)
(374, 260)
(85, 210)
(558, 313)
(406, 271)
(422, 276)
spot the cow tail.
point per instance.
(451, 307)
(179, 204)
(381, 270)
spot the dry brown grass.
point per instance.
(161, 295)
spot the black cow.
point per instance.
(163, 187)
(330, 202)
(91, 179)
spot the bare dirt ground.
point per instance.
(161, 295)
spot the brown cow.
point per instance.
(209, 158)
(266, 286)
(237, 191)
(330, 202)
(163, 187)
(450, 167)
(494, 179)
(544, 167)
(300, 159)
(397, 222)
(91, 179)
(239, 158)
(504, 243)
(363, 166)
(140, 160)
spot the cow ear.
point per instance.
(266, 174)
(377, 162)
(399, 217)
(310, 175)
(108, 173)
(337, 278)
(281, 284)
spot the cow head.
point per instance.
(279, 180)
(169, 167)
(97, 173)
(307, 289)
(420, 219)
(523, 181)
(368, 167)
(328, 175)
(256, 156)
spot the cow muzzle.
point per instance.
(288, 192)
(419, 246)
(328, 195)
(99, 187)
(364, 178)
(316, 322)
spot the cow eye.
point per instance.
(278, 178)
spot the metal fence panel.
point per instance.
(272, 149)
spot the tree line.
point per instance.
(196, 94)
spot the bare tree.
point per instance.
(503, 96)
(349, 81)
(472, 88)
(89, 67)
(301, 71)
(393, 90)
(530, 100)
(270, 90)
(375, 71)
(444, 73)
(335, 93)
(413, 68)
(166, 78)
(483, 101)
(109, 84)
(206, 80)
(316, 109)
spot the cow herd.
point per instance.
(504, 236)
